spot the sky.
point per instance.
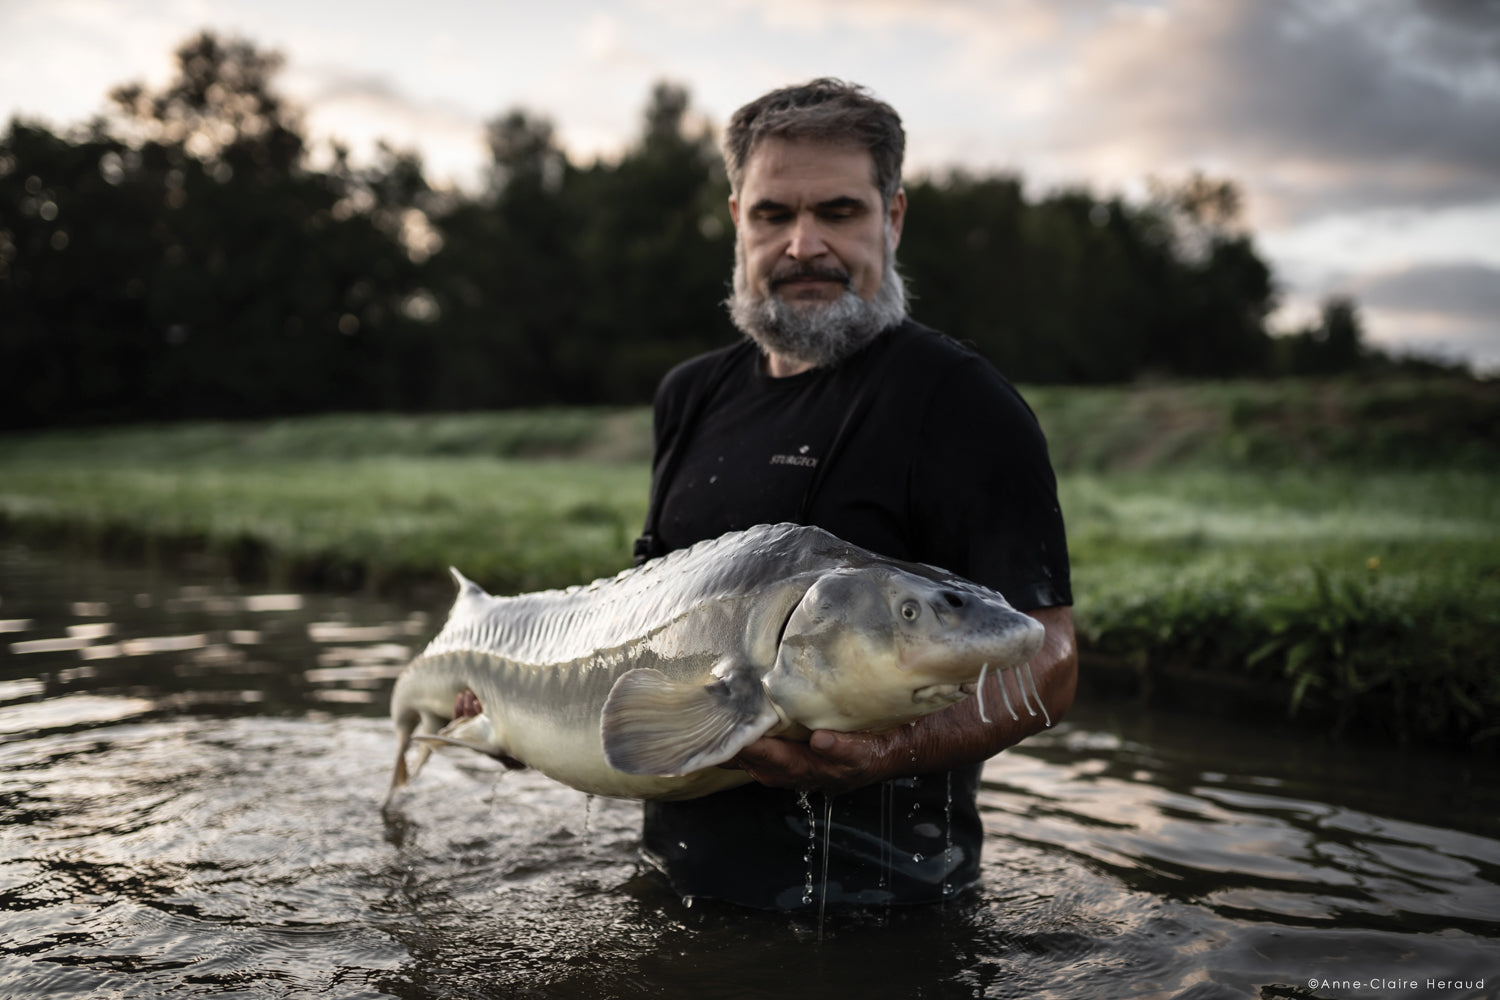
(1364, 134)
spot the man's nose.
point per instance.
(806, 239)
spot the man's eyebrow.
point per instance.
(841, 203)
(766, 205)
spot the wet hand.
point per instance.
(828, 762)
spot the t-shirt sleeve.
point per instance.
(983, 489)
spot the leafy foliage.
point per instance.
(184, 258)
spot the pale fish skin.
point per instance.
(639, 685)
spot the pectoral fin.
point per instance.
(653, 725)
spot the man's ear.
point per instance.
(734, 211)
(896, 215)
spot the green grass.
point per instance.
(1357, 422)
(366, 522)
(1334, 545)
(517, 501)
(1359, 600)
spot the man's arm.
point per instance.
(840, 762)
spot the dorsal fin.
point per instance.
(469, 605)
(466, 587)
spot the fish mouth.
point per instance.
(941, 694)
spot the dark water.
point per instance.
(191, 773)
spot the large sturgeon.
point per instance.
(636, 686)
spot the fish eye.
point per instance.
(910, 610)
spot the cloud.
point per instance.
(1318, 107)
(1444, 310)
(1325, 106)
(59, 60)
(362, 109)
(1466, 291)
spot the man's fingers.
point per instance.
(823, 741)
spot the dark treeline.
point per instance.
(183, 257)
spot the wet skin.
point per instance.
(812, 223)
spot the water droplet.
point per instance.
(812, 843)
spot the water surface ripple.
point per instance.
(191, 773)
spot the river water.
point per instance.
(191, 774)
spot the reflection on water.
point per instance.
(191, 772)
(188, 645)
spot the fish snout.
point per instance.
(955, 632)
(949, 604)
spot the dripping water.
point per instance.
(948, 834)
(887, 830)
(827, 831)
(588, 815)
(812, 843)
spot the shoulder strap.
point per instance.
(648, 545)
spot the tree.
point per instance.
(182, 260)
(1335, 344)
(185, 258)
(221, 108)
(567, 284)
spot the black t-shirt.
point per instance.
(915, 448)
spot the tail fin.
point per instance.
(399, 774)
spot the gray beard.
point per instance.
(818, 334)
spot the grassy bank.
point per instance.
(1329, 550)
(518, 501)
(1346, 600)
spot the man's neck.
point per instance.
(781, 366)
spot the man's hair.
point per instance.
(822, 110)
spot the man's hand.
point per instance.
(840, 762)
(829, 762)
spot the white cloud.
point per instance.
(59, 60)
(1317, 106)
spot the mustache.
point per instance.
(798, 271)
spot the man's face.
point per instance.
(815, 276)
(811, 222)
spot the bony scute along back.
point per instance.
(671, 668)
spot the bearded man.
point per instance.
(839, 411)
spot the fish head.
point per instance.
(872, 647)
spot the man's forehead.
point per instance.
(810, 161)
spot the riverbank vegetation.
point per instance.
(191, 255)
(1325, 550)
